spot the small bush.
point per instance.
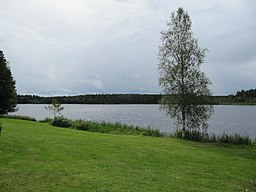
(151, 132)
(61, 122)
(46, 120)
(80, 125)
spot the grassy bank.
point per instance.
(39, 157)
(124, 129)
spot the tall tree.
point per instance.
(8, 96)
(184, 84)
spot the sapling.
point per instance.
(55, 108)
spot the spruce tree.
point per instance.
(8, 96)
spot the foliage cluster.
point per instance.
(80, 125)
(213, 138)
(104, 127)
(59, 121)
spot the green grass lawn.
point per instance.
(38, 157)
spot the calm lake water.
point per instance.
(228, 119)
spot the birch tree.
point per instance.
(184, 85)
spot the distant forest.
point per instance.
(93, 99)
(241, 97)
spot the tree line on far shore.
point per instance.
(93, 99)
(241, 97)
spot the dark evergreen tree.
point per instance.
(8, 96)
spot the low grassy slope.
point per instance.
(39, 157)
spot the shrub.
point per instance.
(46, 120)
(150, 132)
(80, 125)
(60, 121)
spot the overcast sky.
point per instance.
(69, 47)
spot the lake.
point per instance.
(228, 119)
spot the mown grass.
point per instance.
(39, 157)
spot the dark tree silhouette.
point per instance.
(8, 96)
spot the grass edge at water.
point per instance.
(124, 129)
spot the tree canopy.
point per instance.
(185, 86)
(8, 95)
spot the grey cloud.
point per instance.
(88, 46)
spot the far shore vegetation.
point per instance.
(243, 97)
